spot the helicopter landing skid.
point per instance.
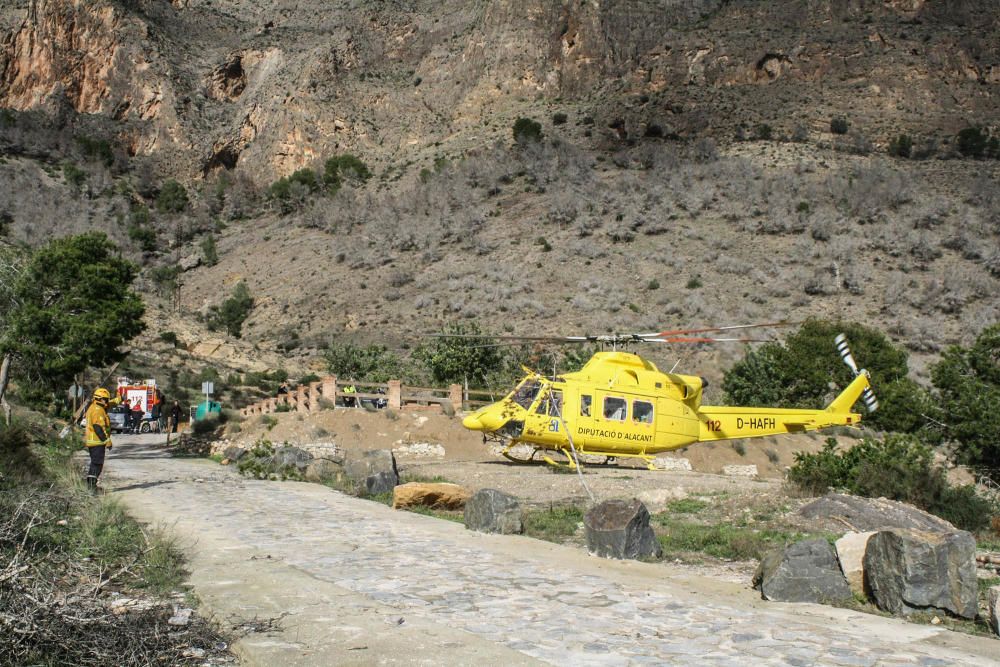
(505, 452)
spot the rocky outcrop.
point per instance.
(867, 514)
(908, 570)
(620, 529)
(442, 496)
(806, 571)
(492, 511)
(851, 555)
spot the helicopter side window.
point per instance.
(526, 393)
(585, 405)
(642, 411)
(614, 408)
(551, 404)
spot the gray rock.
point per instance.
(233, 453)
(909, 570)
(322, 470)
(620, 529)
(292, 457)
(806, 571)
(182, 616)
(380, 482)
(492, 511)
(993, 608)
(358, 467)
(190, 262)
(865, 514)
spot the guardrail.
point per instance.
(329, 393)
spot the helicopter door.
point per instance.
(545, 424)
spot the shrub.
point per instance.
(972, 142)
(899, 467)
(374, 363)
(205, 426)
(527, 130)
(901, 146)
(170, 338)
(233, 312)
(97, 149)
(798, 373)
(209, 253)
(468, 355)
(165, 278)
(763, 132)
(143, 235)
(653, 284)
(172, 198)
(839, 125)
(693, 283)
(559, 118)
(73, 174)
(967, 381)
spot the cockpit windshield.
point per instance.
(526, 393)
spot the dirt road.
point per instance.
(356, 583)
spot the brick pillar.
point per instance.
(394, 398)
(330, 389)
(455, 396)
(270, 405)
(302, 399)
(314, 394)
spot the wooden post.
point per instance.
(455, 396)
(394, 398)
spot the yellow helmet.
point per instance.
(101, 392)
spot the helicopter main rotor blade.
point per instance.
(684, 332)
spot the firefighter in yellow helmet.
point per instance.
(98, 435)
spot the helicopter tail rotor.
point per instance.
(868, 396)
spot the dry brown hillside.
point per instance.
(688, 171)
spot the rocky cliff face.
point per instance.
(270, 86)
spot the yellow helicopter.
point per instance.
(621, 405)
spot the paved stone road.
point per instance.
(358, 583)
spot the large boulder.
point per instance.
(360, 466)
(322, 470)
(806, 571)
(993, 608)
(440, 495)
(292, 457)
(865, 514)
(380, 483)
(851, 554)
(909, 570)
(233, 453)
(492, 511)
(620, 529)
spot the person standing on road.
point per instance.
(137, 415)
(98, 435)
(175, 416)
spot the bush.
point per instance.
(97, 149)
(967, 381)
(233, 312)
(763, 132)
(205, 426)
(527, 130)
(839, 125)
(900, 467)
(798, 373)
(170, 338)
(559, 118)
(901, 146)
(465, 353)
(144, 236)
(209, 253)
(972, 142)
(374, 363)
(172, 198)
(344, 166)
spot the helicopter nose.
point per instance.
(472, 423)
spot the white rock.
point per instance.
(739, 471)
(180, 617)
(656, 500)
(670, 463)
(851, 554)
